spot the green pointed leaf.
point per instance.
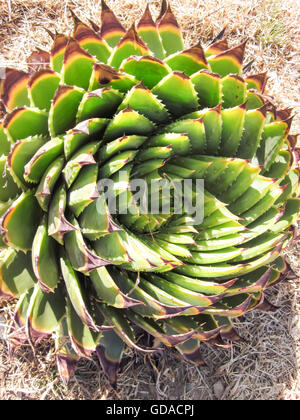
(116, 318)
(77, 66)
(45, 312)
(107, 291)
(81, 257)
(110, 352)
(95, 221)
(289, 186)
(229, 61)
(197, 285)
(84, 341)
(66, 358)
(13, 89)
(262, 206)
(8, 188)
(42, 87)
(75, 293)
(212, 119)
(280, 166)
(216, 244)
(44, 259)
(148, 69)
(208, 87)
(48, 182)
(116, 163)
(170, 32)
(177, 93)
(272, 140)
(21, 153)
(84, 157)
(84, 190)
(155, 153)
(251, 137)
(130, 44)
(252, 196)
(232, 171)
(19, 223)
(128, 122)
(4, 142)
(254, 100)
(190, 61)
(16, 275)
(233, 123)
(90, 41)
(111, 29)
(234, 90)
(180, 143)
(42, 159)
(99, 103)
(192, 298)
(112, 247)
(153, 308)
(260, 245)
(289, 217)
(58, 52)
(82, 133)
(148, 31)
(194, 129)
(64, 108)
(143, 101)
(58, 225)
(241, 184)
(121, 144)
(26, 122)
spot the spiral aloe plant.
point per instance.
(111, 104)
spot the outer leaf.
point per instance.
(19, 223)
(44, 259)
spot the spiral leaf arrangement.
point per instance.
(113, 104)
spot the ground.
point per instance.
(265, 365)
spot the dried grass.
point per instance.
(266, 365)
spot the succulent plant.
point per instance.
(111, 104)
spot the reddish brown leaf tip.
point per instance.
(74, 16)
(237, 52)
(38, 74)
(266, 306)
(93, 261)
(105, 74)
(260, 79)
(132, 36)
(65, 226)
(73, 48)
(110, 23)
(94, 26)
(168, 18)
(60, 42)
(197, 52)
(163, 9)
(231, 335)
(219, 38)
(110, 367)
(66, 366)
